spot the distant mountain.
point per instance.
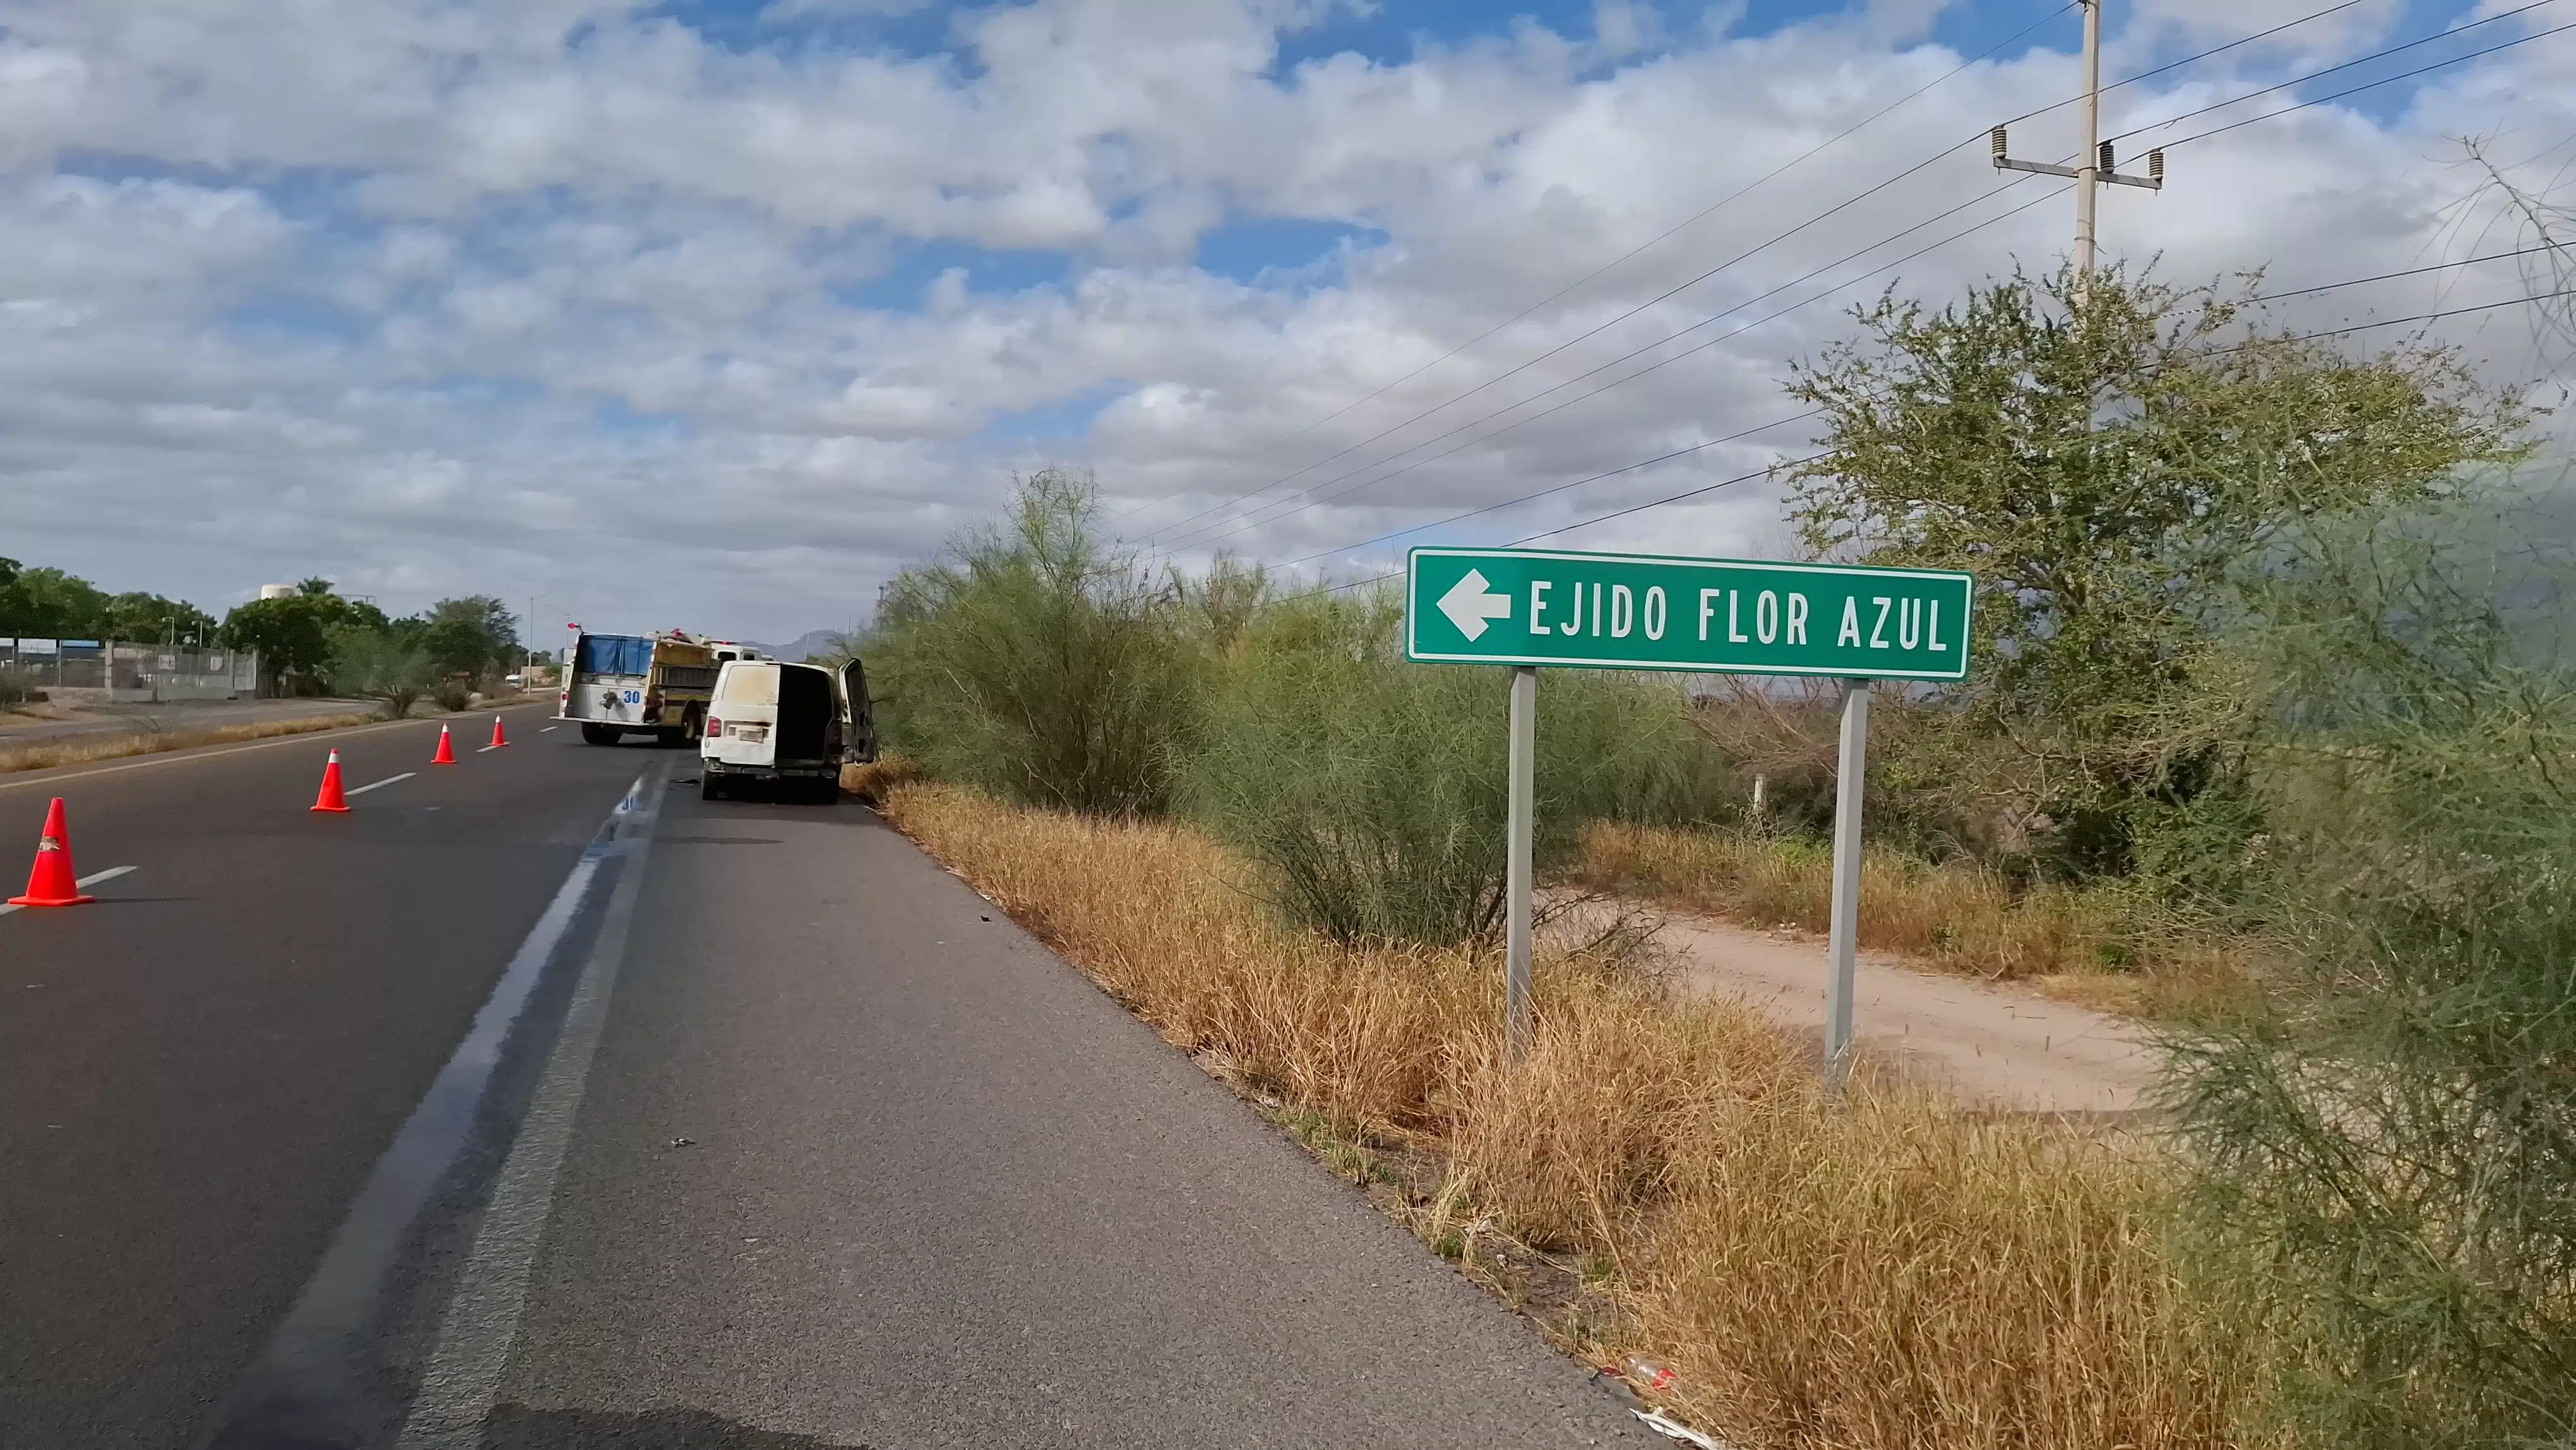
(811, 642)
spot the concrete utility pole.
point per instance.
(2095, 157)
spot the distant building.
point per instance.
(277, 591)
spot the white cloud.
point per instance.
(456, 296)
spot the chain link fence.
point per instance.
(92, 671)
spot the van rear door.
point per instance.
(742, 718)
(858, 714)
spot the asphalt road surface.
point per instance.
(537, 1103)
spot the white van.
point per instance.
(787, 727)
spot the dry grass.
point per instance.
(1962, 918)
(873, 781)
(116, 744)
(1887, 1274)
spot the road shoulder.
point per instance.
(861, 1161)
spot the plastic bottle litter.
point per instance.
(1645, 1373)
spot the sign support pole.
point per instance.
(1843, 942)
(1522, 776)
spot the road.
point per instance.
(536, 1102)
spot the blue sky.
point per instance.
(741, 307)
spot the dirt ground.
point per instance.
(1996, 1047)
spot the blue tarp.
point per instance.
(614, 654)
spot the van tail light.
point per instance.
(714, 726)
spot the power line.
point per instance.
(1744, 478)
(2188, 60)
(1779, 422)
(1668, 233)
(1201, 536)
(2300, 337)
(1684, 286)
(2347, 65)
(1558, 488)
(1525, 366)
(1250, 523)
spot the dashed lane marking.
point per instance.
(388, 780)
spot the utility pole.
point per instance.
(528, 646)
(2096, 161)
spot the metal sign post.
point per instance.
(1528, 608)
(1522, 774)
(1842, 942)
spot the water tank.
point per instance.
(277, 591)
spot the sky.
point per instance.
(714, 314)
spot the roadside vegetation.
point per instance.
(1890, 1273)
(2263, 742)
(49, 603)
(312, 642)
(117, 744)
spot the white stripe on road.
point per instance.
(388, 780)
(92, 879)
(463, 1376)
(481, 748)
(542, 729)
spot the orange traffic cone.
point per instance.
(446, 752)
(52, 883)
(497, 738)
(331, 799)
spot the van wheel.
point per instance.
(600, 734)
(709, 789)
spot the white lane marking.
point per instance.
(92, 879)
(464, 1374)
(542, 729)
(481, 748)
(388, 780)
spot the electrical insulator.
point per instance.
(2106, 157)
(1997, 136)
(2156, 165)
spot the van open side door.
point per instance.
(858, 714)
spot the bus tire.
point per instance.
(600, 734)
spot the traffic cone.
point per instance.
(497, 738)
(446, 752)
(331, 799)
(53, 882)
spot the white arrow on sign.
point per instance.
(1469, 606)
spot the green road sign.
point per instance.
(1650, 612)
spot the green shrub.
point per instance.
(1037, 662)
(2385, 1138)
(1372, 791)
(376, 664)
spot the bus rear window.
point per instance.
(613, 654)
